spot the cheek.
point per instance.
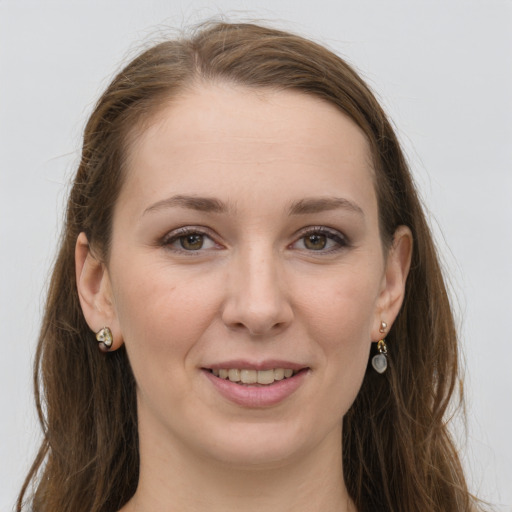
(339, 315)
(341, 307)
(162, 318)
(163, 313)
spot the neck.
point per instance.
(178, 480)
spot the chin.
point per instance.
(259, 445)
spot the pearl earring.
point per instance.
(380, 360)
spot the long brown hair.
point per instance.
(397, 451)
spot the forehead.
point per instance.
(214, 111)
(221, 134)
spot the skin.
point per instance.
(262, 286)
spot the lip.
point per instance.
(267, 364)
(252, 396)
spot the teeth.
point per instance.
(245, 376)
(279, 374)
(234, 375)
(265, 377)
(249, 376)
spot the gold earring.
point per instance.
(105, 339)
(383, 327)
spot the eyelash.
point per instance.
(179, 235)
(331, 235)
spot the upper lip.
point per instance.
(267, 364)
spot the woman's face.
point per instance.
(246, 243)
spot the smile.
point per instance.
(251, 377)
(257, 388)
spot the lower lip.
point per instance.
(257, 396)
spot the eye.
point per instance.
(321, 239)
(188, 240)
(192, 242)
(315, 241)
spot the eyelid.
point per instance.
(176, 234)
(335, 235)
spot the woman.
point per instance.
(272, 327)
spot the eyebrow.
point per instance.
(213, 205)
(202, 204)
(322, 204)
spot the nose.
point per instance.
(257, 299)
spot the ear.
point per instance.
(95, 292)
(392, 293)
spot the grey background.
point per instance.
(443, 72)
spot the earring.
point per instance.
(105, 339)
(383, 327)
(380, 360)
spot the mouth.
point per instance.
(256, 385)
(251, 377)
